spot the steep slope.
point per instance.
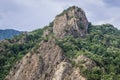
(12, 50)
(39, 65)
(47, 63)
(8, 33)
(62, 52)
(71, 22)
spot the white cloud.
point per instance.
(33, 14)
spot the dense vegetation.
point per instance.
(12, 50)
(8, 33)
(102, 46)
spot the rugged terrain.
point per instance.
(69, 48)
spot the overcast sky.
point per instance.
(27, 15)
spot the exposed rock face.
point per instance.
(48, 63)
(71, 22)
(26, 69)
(62, 71)
(76, 75)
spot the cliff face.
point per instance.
(48, 61)
(71, 22)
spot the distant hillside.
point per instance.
(8, 33)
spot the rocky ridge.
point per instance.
(48, 61)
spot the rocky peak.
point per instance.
(48, 60)
(71, 22)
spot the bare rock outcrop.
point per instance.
(71, 22)
(76, 75)
(46, 63)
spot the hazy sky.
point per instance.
(32, 14)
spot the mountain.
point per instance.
(8, 33)
(71, 22)
(69, 48)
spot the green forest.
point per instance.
(102, 45)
